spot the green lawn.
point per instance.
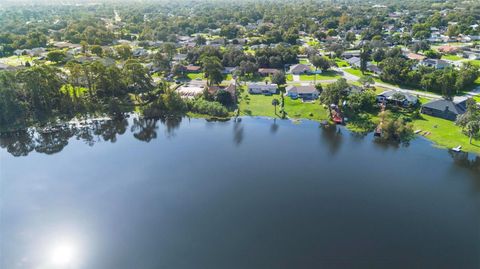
(452, 57)
(356, 72)
(327, 75)
(193, 76)
(341, 62)
(475, 62)
(261, 105)
(304, 61)
(445, 133)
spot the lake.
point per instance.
(188, 193)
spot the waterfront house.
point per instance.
(231, 89)
(445, 109)
(262, 88)
(306, 92)
(397, 98)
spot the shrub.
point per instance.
(202, 106)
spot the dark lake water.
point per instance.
(255, 194)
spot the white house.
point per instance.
(263, 88)
(306, 92)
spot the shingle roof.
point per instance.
(442, 105)
(304, 89)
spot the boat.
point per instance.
(457, 149)
(417, 131)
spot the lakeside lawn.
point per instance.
(261, 105)
(445, 133)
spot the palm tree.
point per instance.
(275, 103)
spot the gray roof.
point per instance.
(442, 105)
(353, 60)
(300, 68)
(389, 94)
(304, 89)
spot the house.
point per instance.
(140, 52)
(264, 88)
(448, 49)
(228, 70)
(179, 57)
(192, 89)
(435, 63)
(354, 61)
(350, 54)
(445, 109)
(192, 69)
(374, 69)
(397, 98)
(414, 56)
(300, 69)
(232, 89)
(306, 92)
(267, 71)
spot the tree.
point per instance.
(364, 58)
(319, 62)
(395, 129)
(97, 50)
(366, 81)
(378, 55)
(124, 51)
(162, 62)
(470, 120)
(279, 78)
(334, 92)
(224, 97)
(213, 70)
(56, 56)
(361, 101)
(14, 109)
(275, 103)
(137, 76)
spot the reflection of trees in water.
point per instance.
(144, 129)
(389, 144)
(50, 140)
(333, 137)
(171, 123)
(238, 132)
(462, 159)
(18, 143)
(274, 126)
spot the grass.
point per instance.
(445, 133)
(304, 61)
(356, 72)
(261, 105)
(327, 75)
(341, 62)
(475, 62)
(193, 76)
(452, 57)
(17, 60)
